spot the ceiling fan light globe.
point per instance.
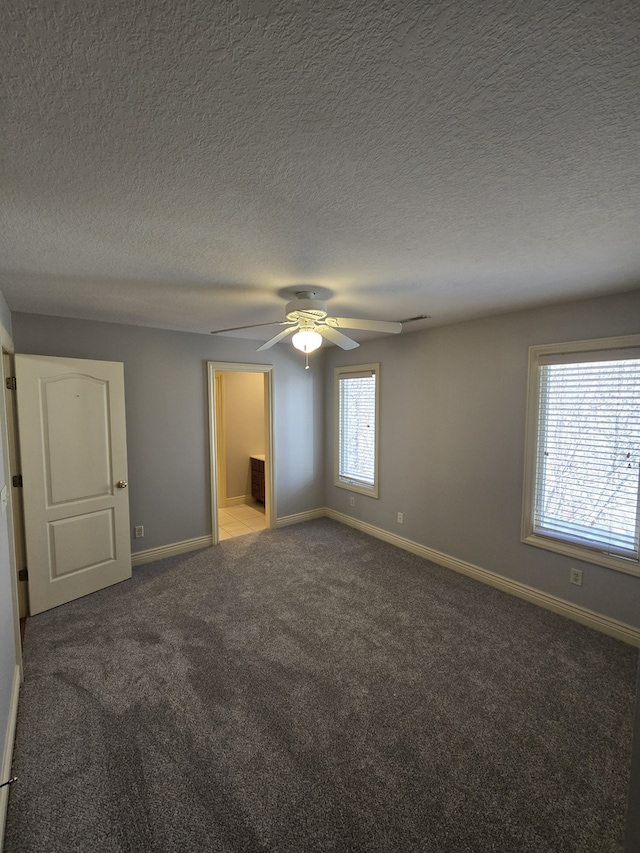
(306, 340)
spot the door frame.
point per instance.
(13, 458)
(7, 347)
(214, 369)
(221, 450)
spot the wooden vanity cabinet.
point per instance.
(257, 478)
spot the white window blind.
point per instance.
(588, 452)
(356, 423)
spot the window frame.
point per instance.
(344, 482)
(580, 351)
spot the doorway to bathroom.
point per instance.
(241, 454)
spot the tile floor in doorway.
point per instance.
(239, 520)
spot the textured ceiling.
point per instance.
(183, 164)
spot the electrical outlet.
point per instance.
(352, 500)
(576, 577)
(400, 518)
(138, 532)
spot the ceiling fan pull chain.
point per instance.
(306, 360)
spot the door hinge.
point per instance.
(17, 481)
(23, 575)
(10, 382)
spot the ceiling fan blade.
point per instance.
(253, 326)
(337, 337)
(365, 325)
(278, 337)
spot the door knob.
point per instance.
(122, 484)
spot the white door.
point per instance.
(71, 421)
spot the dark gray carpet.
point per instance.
(314, 689)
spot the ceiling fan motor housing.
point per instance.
(306, 308)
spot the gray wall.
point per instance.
(167, 417)
(5, 316)
(452, 427)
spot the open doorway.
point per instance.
(241, 439)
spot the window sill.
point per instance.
(587, 555)
(371, 492)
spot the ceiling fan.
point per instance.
(308, 318)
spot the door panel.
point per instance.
(77, 451)
(72, 437)
(83, 542)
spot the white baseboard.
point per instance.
(240, 500)
(7, 757)
(152, 554)
(299, 517)
(605, 624)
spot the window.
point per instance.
(583, 451)
(356, 428)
